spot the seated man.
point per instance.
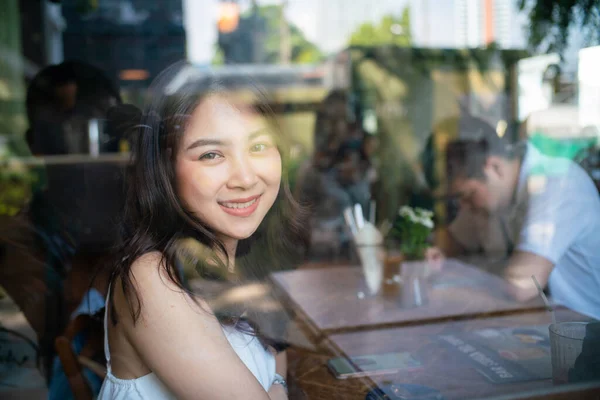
(477, 238)
(547, 212)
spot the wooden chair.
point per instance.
(72, 363)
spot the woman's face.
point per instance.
(228, 168)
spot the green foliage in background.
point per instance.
(17, 182)
(86, 6)
(411, 90)
(550, 21)
(218, 58)
(302, 50)
(391, 30)
(412, 228)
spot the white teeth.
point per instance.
(239, 205)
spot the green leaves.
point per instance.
(412, 228)
(550, 21)
(391, 30)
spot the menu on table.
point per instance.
(505, 355)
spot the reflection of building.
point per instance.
(132, 40)
(534, 92)
(504, 12)
(468, 23)
(244, 42)
(589, 87)
(481, 22)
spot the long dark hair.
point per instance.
(155, 219)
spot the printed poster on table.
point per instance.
(505, 355)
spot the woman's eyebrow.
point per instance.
(205, 142)
(217, 142)
(259, 132)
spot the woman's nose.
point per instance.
(243, 174)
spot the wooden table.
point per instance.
(443, 369)
(327, 298)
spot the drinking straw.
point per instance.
(544, 299)
(350, 221)
(372, 212)
(358, 214)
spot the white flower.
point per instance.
(427, 223)
(417, 216)
(424, 213)
(405, 211)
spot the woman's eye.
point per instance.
(257, 148)
(209, 156)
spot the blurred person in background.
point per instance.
(340, 174)
(61, 101)
(208, 188)
(331, 124)
(475, 236)
(316, 187)
(548, 214)
(353, 174)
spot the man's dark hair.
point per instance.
(466, 157)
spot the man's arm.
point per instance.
(522, 266)
(557, 215)
(461, 236)
(445, 241)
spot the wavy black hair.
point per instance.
(154, 217)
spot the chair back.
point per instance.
(73, 363)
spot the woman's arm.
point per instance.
(278, 392)
(281, 363)
(182, 342)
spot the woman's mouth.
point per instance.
(241, 207)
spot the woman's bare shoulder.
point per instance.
(147, 264)
(151, 272)
(150, 287)
(155, 283)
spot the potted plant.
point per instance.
(404, 268)
(411, 229)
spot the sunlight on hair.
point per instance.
(192, 253)
(240, 295)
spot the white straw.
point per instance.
(544, 299)
(358, 214)
(350, 221)
(372, 212)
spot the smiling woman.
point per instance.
(228, 169)
(208, 169)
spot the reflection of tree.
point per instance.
(12, 89)
(383, 86)
(550, 21)
(391, 30)
(257, 40)
(411, 90)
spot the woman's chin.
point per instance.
(241, 234)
